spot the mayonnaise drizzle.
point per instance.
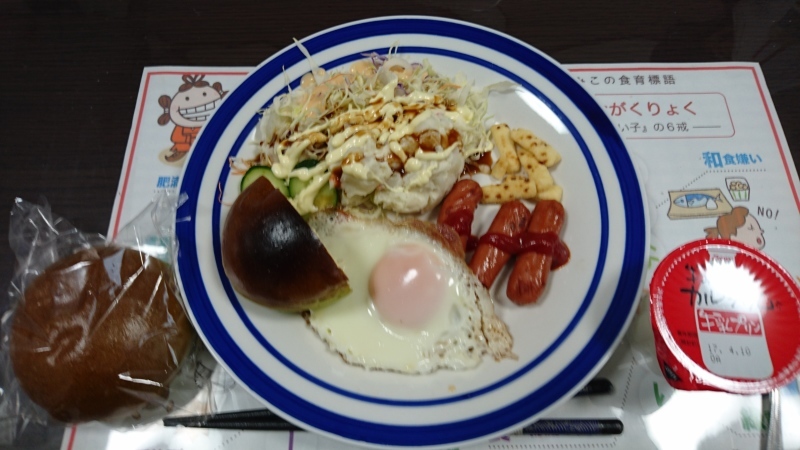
(337, 114)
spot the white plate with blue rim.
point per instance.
(561, 342)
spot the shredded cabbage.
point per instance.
(370, 124)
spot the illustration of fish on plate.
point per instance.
(695, 203)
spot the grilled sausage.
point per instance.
(531, 270)
(488, 260)
(458, 208)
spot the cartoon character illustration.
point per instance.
(697, 201)
(188, 109)
(738, 225)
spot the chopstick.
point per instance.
(595, 387)
(271, 422)
(255, 419)
(266, 420)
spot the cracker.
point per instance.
(513, 187)
(520, 149)
(543, 152)
(541, 177)
(525, 138)
(547, 155)
(498, 170)
(554, 192)
(529, 162)
(508, 162)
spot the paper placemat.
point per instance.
(696, 132)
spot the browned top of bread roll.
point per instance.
(99, 335)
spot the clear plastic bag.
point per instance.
(94, 330)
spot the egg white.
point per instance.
(453, 338)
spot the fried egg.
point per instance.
(414, 307)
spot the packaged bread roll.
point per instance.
(99, 335)
(94, 328)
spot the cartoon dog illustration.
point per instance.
(188, 109)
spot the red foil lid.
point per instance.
(726, 317)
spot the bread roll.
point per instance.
(99, 335)
(272, 257)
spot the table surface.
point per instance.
(71, 68)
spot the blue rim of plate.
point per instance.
(585, 363)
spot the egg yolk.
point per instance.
(407, 285)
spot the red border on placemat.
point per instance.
(73, 430)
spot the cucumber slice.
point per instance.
(327, 197)
(256, 172)
(296, 185)
(306, 164)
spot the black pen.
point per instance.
(574, 426)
